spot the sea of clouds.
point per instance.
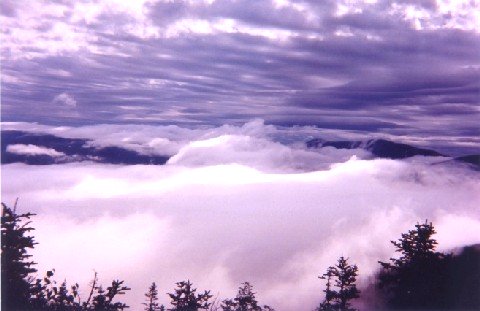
(233, 204)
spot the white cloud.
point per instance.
(170, 139)
(26, 36)
(219, 223)
(33, 150)
(259, 153)
(226, 25)
(66, 100)
(67, 26)
(446, 14)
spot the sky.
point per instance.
(398, 67)
(230, 91)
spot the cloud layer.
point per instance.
(234, 205)
(33, 150)
(170, 139)
(398, 67)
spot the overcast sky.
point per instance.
(397, 67)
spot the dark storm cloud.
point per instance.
(366, 67)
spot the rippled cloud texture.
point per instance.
(392, 66)
(233, 204)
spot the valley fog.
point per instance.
(234, 204)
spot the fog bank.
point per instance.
(237, 206)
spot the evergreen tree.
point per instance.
(152, 299)
(416, 245)
(15, 260)
(327, 303)
(185, 298)
(418, 278)
(244, 301)
(103, 300)
(339, 294)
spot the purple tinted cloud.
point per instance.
(230, 61)
(232, 205)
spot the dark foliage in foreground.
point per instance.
(244, 301)
(419, 279)
(22, 292)
(185, 298)
(16, 263)
(343, 289)
(152, 299)
(415, 279)
(423, 279)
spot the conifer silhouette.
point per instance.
(185, 298)
(340, 287)
(152, 299)
(418, 278)
(15, 260)
(21, 292)
(244, 301)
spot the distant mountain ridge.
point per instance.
(383, 148)
(72, 150)
(69, 150)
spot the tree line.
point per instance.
(420, 278)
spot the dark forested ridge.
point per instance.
(378, 147)
(419, 278)
(382, 148)
(72, 150)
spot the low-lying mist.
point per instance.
(234, 205)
